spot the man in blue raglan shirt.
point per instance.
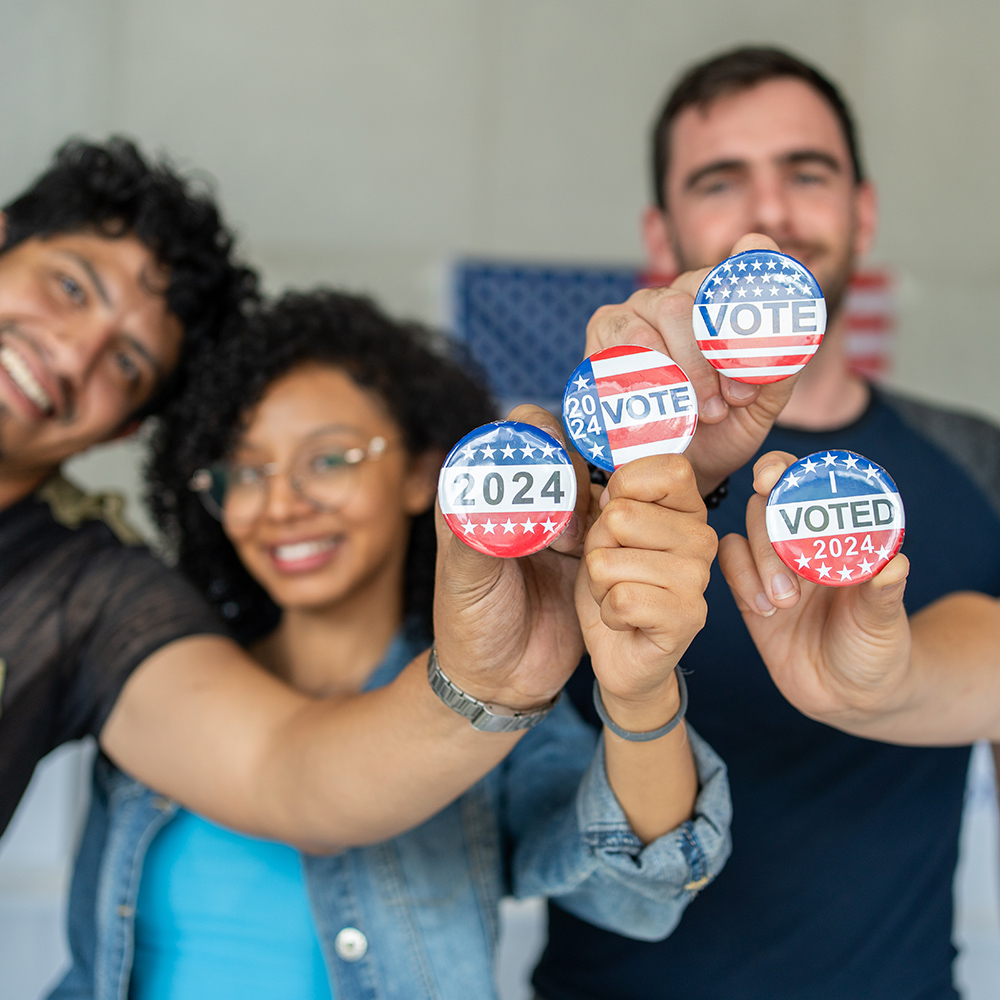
(840, 882)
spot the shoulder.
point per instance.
(971, 441)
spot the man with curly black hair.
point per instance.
(116, 278)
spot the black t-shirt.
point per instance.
(79, 611)
(844, 849)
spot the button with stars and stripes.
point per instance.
(626, 402)
(759, 316)
(835, 518)
(507, 489)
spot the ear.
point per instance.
(420, 486)
(865, 218)
(657, 237)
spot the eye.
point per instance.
(247, 476)
(72, 288)
(127, 365)
(329, 461)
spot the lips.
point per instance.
(24, 379)
(303, 556)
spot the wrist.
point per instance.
(645, 717)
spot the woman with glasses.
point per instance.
(296, 480)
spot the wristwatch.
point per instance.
(482, 716)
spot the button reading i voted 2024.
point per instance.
(507, 489)
(626, 402)
(835, 518)
(759, 316)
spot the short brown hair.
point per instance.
(741, 69)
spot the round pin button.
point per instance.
(759, 316)
(835, 518)
(626, 402)
(507, 489)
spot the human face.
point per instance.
(86, 338)
(771, 159)
(307, 558)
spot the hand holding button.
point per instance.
(505, 624)
(734, 417)
(831, 650)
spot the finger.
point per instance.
(780, 584)
(575, 532)
(666, 480)
(671, 572)
(626, 523)
(769, 468)
(740, 570)
(667, 618)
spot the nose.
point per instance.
(282, 502)
(770, 207)
(79, 343)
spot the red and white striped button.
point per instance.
(759, 316)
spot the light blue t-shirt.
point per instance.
(225, 916)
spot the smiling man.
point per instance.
(116, 278)
(844, 850)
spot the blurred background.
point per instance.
(372, 144)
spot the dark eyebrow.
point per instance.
(813, 156)
(102, 292)
(717, 166)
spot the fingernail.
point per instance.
(714, 407)
(742, 390)
(605, 497)
(573, 528)
(781, 587)
(764, 606)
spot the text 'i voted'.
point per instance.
(759, 316)
(626, 402)
(835, 518)
(507, 489)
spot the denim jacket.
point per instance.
(543, 822)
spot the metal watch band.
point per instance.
(486, 718)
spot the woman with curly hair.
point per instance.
(296, 480)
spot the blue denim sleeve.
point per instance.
(572, 841)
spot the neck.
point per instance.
(827, 394)
(15, 486)
(334, 649)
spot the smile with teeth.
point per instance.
(22, 376)
(298, 551)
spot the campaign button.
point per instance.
(626, 402)
(835, 518)
(759, 316)
(507, 489)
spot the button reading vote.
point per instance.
(626, 402)
(759, 316)
(835, 518)
(507, 489)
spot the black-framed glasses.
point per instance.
(323, 471)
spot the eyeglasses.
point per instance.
(323, 472)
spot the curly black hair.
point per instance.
(417, 374)
(111, 189)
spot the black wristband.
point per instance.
(653, 734)
(718, 494)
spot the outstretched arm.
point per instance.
(850, 657)
(200, 722)
(733, 417)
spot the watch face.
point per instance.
(759, 316)
(626, 402)
(507, 489)
(835, 518)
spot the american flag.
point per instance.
(759, 316)
(835, 518)
(626, 402)
(507, 489)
